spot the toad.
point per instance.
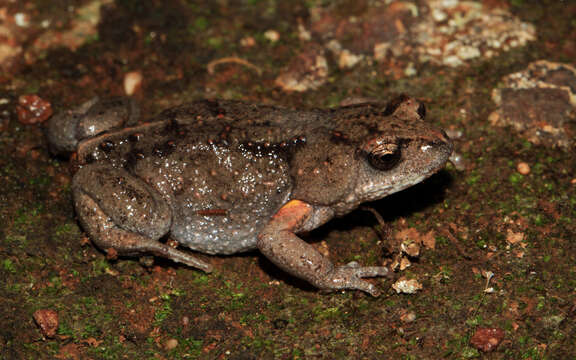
(224, 177)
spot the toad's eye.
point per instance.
(385, 156)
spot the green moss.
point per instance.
(215, 42)
(237, 298)
(538, 219)
(200, 24)
(515, 178)
(28, 216)
(257, 344)
(192, 346)
(41, 181)
(100, 266)
(251, 318)
(9, 266)
(162, 313)
(64, 329)
(65, 229)
(111, 348)
(322, 313)
(469, 353)
(55, 287)
(475, 321)
(473, 178)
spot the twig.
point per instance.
(380, 220)
(211, 67)
(456, 243)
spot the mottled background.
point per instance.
(489, 243)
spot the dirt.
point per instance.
(486, 216)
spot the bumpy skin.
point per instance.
(222, 177)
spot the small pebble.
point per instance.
(407, 316)
(132, 82)
(272, 35)
(247, 41)
(523, 168)
(170, 344)
(21, 19)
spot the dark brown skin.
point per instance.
(223, 177)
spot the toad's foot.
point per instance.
(350, 276)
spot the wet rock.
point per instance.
(47, 320)
(539, 103)
(32, 109)
(487, 339)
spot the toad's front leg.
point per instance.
(279, 243)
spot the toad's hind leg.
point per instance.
(120, 211)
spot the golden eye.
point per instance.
(385, 149)
(385, 156)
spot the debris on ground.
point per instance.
(308, 71)
(441, 32)
(406, 286)
(29, 33)
(410, 246)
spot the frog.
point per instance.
(223, 177)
